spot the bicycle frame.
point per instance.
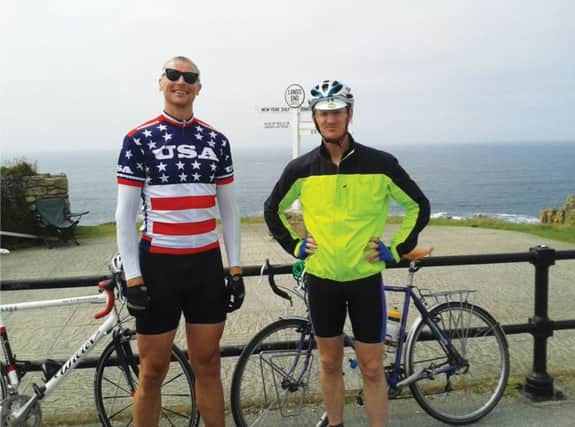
(13, 378)
(394, 377)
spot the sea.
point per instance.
(510, 181)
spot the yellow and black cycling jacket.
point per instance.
(344, 206)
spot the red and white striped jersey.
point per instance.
(178, 166)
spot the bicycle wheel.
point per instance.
(114, 387)
(276, 379)
(459, 395)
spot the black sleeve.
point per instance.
(282, 196)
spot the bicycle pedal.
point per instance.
(49, 368)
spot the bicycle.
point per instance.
(117, 369)
(454, 359)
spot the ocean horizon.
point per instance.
(509, 181)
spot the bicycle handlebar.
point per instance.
(108, 287)
(272, 282)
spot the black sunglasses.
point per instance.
(174, 75)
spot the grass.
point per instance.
(561, 233)
(94, 231)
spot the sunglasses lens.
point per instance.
(190, 78)
(174, 75)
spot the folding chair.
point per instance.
(54, 219)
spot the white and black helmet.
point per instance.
(330, 95)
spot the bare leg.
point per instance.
(155, 351)
(331, 376)
(204, 353)
(370, 358)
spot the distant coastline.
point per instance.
(508, 181)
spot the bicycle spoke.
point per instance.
(171, 380)
(115, 414)
(176, 413)
(486, 332)
(117, 385)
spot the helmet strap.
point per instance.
(338, 141)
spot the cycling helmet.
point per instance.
(330, 95)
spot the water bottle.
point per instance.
(393, 325)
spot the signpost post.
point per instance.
(294, 97)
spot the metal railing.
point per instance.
(538, 383)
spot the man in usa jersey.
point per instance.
(179, 170)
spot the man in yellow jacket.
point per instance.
(345, 190)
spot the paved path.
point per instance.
(506, 290)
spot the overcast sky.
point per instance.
(77, 75)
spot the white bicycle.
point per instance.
(116, 376)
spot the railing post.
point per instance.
(539, 384)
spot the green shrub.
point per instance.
(16, 215)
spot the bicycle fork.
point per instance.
(291, 385)
(126, 358)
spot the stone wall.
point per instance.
(45, 186)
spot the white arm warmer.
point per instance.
(126, 231)
(230, 214)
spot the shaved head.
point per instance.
(181, 59)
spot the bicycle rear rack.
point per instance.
(431, 298)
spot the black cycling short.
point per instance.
(191, 284)
(364, 299)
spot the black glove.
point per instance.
(235, 292)
(138, 299)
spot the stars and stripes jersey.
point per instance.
(178, 166)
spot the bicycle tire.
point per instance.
(114, 395)
(468, 394)
(3, 383)
(264, 392)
